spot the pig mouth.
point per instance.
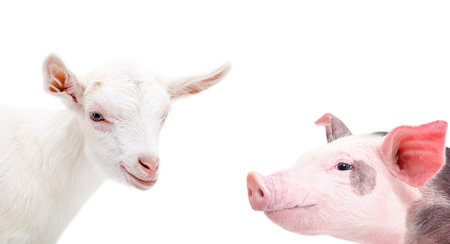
(291, 208)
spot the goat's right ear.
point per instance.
(59, 80)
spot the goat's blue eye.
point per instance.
(344, 166)
(96, 116)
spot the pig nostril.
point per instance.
(249, 192)
(145, 166)
(261, 193)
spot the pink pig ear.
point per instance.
(414, 154)
(334, 127)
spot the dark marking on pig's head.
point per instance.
(363, 178)
(380, 133)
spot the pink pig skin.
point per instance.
(372, 188)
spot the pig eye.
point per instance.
(344, 166)
(96, 116)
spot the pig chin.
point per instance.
(298, 220)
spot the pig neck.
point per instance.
(384, 235)
(389, 226)
(388, 232)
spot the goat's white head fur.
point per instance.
(121, 108)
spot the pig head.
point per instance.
(355, 187)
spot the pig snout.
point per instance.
(258, 194)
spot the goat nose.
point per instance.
(258, 195)
(149, 164)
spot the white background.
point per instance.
(376, 65)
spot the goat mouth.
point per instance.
(147, 183)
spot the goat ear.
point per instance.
(177, 87)
(334, 127)
(414, 154)
(59, 80)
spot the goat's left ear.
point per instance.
(177, 87)
(414, 154)
(60, 81)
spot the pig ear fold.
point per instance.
(60, 81)
(177, 87)
(334, 127)
(414, 154)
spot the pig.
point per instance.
(383, 187)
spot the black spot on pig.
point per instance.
(431, 223)
(431, 226)
(363, 178)
(380, 133)
(441, 182)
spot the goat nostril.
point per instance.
(145, 166)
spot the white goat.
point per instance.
(52, 161)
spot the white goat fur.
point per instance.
(52, 161)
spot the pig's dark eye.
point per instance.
(96, 116)
(344, 166)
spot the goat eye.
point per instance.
(96, 116)
(344, 166)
